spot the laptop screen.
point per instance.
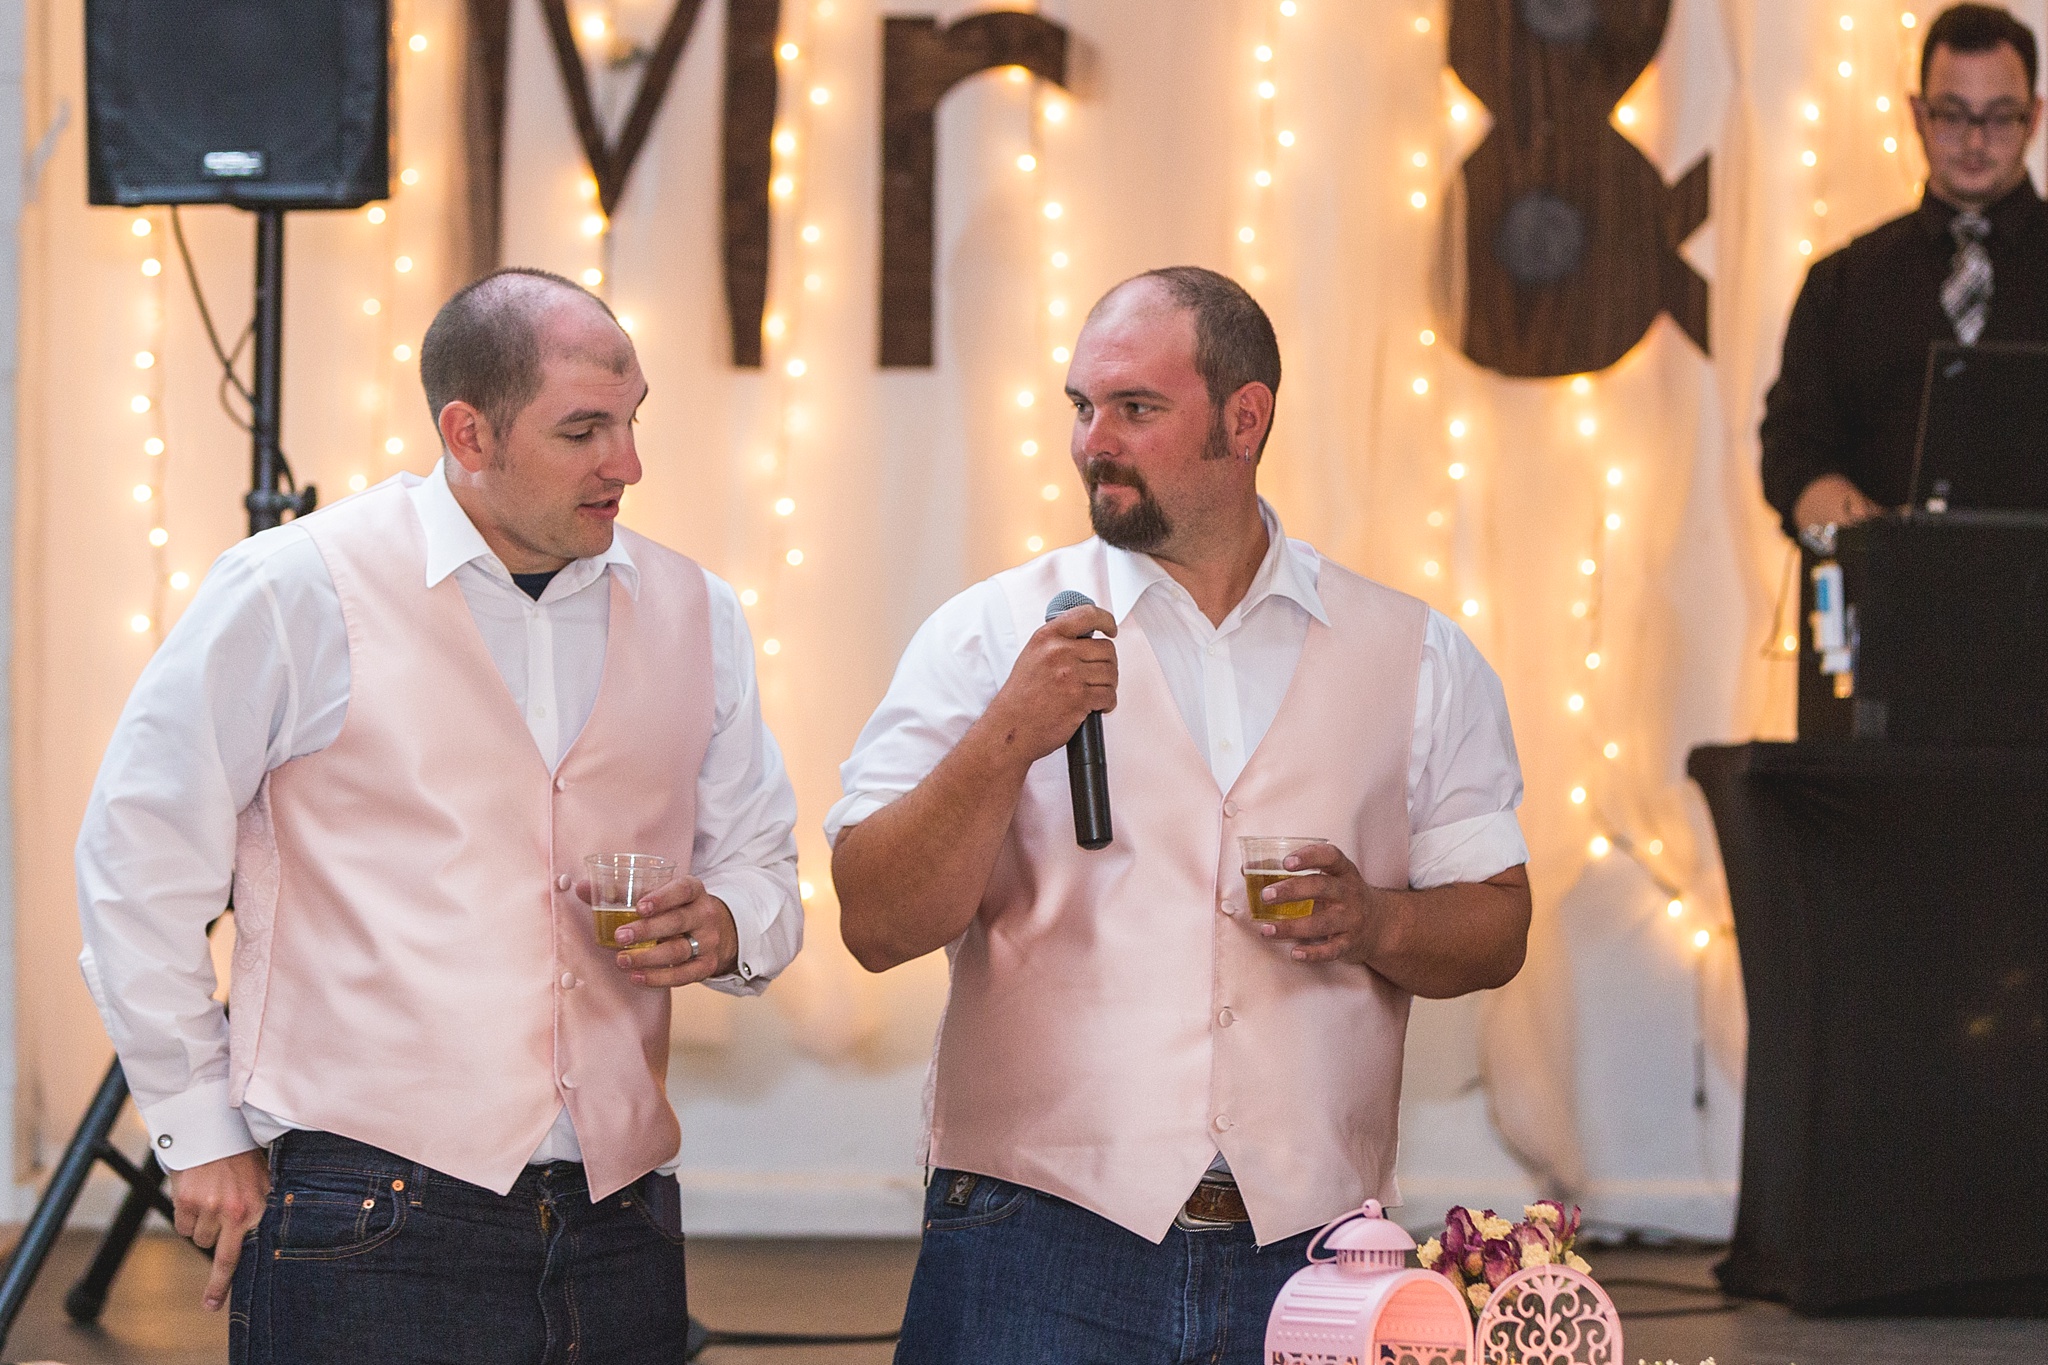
(1983, 429)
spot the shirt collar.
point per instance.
(1284, 572)
(453, 540)
(1935, 214)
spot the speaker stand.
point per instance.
(145, 1192)
(267, 501)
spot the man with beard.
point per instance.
(1145, 1099)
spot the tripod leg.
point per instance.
(58, 1196)
(89, 1295)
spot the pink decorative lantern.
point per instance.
(1548, 1315)
(1362, 1305)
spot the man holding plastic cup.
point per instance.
(396, 728)
(1146, 1094)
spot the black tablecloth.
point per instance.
(1891, 906)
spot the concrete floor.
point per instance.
(848, 1286)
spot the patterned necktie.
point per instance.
(1966, 294)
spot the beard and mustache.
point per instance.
(1144, 527)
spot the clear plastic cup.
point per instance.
(618, 883)
(1264, 862)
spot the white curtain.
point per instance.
(1617, 517)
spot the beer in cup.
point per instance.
(1265, 862)
(619, 882)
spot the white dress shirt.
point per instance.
(1228, 681)
(256, 673)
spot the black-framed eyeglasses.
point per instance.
(1955, 122)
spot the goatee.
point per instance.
(1140, 529)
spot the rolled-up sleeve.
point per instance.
(1464, 781)
(745, 849)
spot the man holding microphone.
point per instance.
(1145, 1098)
(396, 729)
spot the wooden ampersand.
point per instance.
(749, 124)
(1571, 237)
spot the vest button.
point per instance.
(568, 981)
(1230, 810)
(1224, 1018)
(1222, 1123)
(568, 1084)
(562, 882)
(561, 784)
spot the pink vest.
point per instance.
(1115, 1019)
(412, 969)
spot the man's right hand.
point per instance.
(217, 1203)
(1062, 674)
(1831, 500)
(911, 876)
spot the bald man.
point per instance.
(435, 1127)
(1145, 1094)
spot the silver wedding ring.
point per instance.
(695, 947)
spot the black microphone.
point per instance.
(1087, 761)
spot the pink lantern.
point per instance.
(1362, 1305)
(1549, 1315)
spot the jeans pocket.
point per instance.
(957, 1200)
(660, 1202)
(329, 1215)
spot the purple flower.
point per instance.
(1550, 1215)
(1537, 1243)
(1462, 1242)
(1501, 1257)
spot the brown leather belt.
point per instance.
(1215, 1202)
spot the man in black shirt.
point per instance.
(1970, 264)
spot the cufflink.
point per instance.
(164, 1141)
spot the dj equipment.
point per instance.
(1942, 624)
(1931, 626)
(262, 103)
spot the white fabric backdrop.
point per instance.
(801, 1109)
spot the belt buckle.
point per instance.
(1188, 1221)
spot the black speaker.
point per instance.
(262, 103)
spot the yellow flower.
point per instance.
(1478, 1294)
(1537, 1255)
(1429, 1253)
(1577, 1262)
(1540, 1213)
(1493, 1225)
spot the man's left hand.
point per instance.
(669, 919)
(1347, 921)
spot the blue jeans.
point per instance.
(1010, 1276)
(365, 1258)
